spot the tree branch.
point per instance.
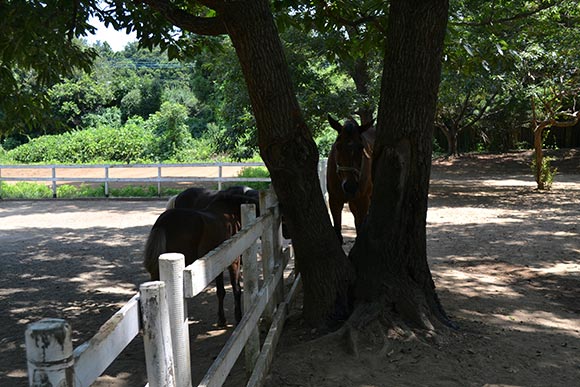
(211, 26)
(481, 112)
(490, 21)
(559, 124)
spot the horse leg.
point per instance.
(359, 209)
(336, 212)
(234, 270)
(221, 293)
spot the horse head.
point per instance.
(352, 152)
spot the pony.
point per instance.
(194, 232)
(348, 177)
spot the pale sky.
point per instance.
(116, 39)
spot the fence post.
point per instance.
(322, 165)
(49, 352)
(220, 175)
(53, 182)
(171, 266)
(159, 181)
(277, 242)
(157, 335)
(106, 181)
(250, 293)
(267, 251)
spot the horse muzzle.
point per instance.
(350, 188)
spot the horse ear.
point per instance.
(334, 123)
(366, 126)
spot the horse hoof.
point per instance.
(222, 324)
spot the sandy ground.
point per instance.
(505, 258)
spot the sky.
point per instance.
(116, 39)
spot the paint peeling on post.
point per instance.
(49, 352)
(157, 335)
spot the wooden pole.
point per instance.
(171, 266)
(250, 272)
(49, 352)
(267, 252)
(157, 335)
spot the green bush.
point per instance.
(547, 173)
(254, 172)
(170, 129)
(128, 144)
(24, 190)
(83, 191)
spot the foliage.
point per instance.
(131, 143)
(325, 140)
(515, 49)
(74, 98)
(254, 172)
(35, 55)
(547, 172)
(24, 190)
(169, 128)
(29, 190)
(67, 191)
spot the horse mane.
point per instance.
(230, 202)
(368, 137)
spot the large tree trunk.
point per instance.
(290, 153)
(390, 254)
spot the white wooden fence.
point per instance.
(107, 174)
(159, 312)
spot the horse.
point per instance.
(198, 197)
(194, 232)
(348, 177)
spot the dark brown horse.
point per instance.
(193, 233)
(348, 176)
(198, 198)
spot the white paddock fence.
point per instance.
(108, 174)
(158, 311)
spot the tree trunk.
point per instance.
(290, 153)
(360, 75)
(538, 154)
(390, 255)
(451, 135)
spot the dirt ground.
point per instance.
(505, 259)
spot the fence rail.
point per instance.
(158, 311)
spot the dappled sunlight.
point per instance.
(538, 320)
(529, 321)
(472, 216)
(6, 292)
(474, 284)
(566, 267)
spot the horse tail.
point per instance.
(154, 247)
(171, 202)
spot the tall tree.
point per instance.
(285, 141)
(393, 276)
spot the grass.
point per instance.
(27, 190)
